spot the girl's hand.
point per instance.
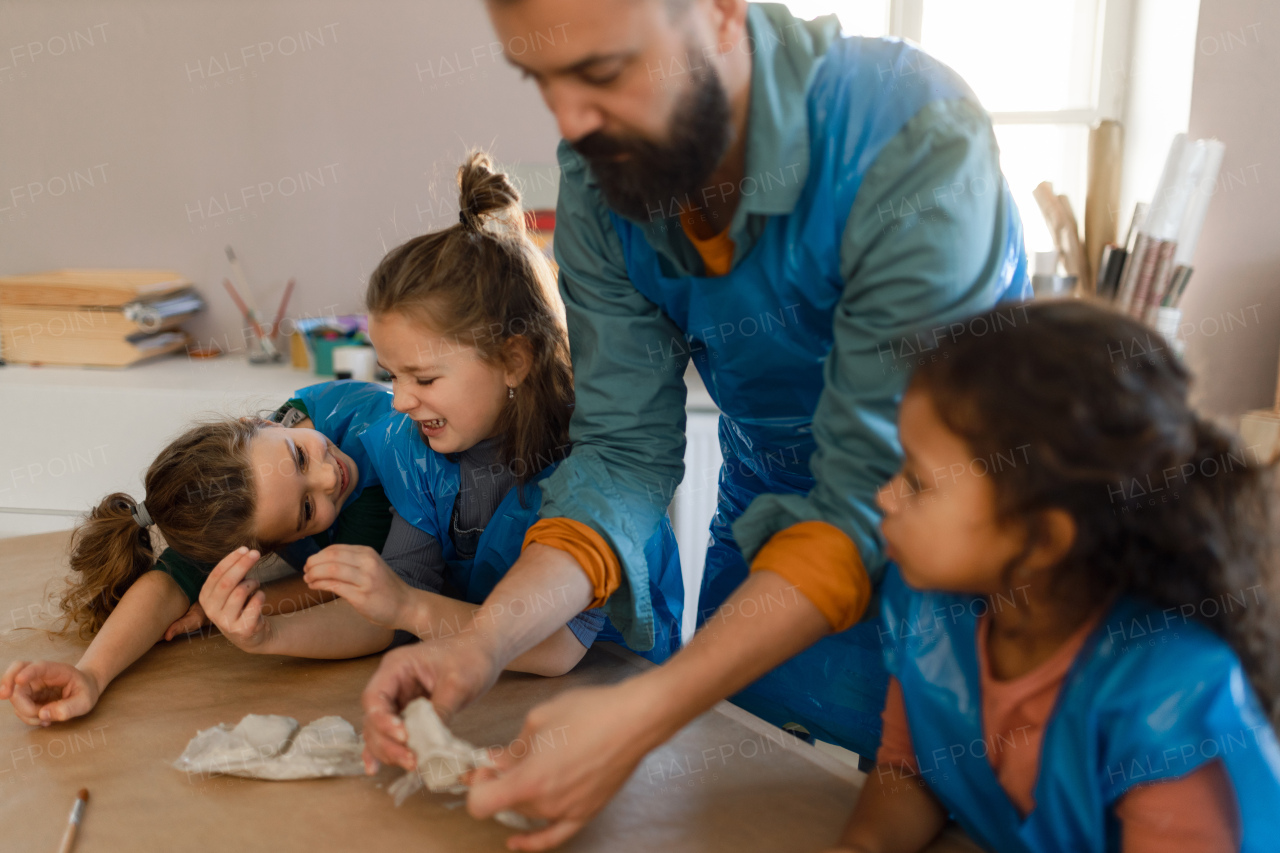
(193, 620)
(46, 692)
(360, 575)
(234, 603)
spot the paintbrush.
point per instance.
(73, 822)
(249, 316)
(249, 305)
(284, 302)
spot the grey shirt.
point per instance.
(417, 556)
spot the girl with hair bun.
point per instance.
(468, 322)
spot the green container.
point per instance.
(322, 349)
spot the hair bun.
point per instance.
(487, 196)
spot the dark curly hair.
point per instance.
(1167, 505)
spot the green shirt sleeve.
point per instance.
(628, 424)
(365, 521)
(188, 574)
(923, 245)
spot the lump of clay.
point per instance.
(273, 747)
(443, 759)
(264, 734)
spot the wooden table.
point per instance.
(727, 782)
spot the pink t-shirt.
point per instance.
(1196, 812)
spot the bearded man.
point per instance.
(802, 215)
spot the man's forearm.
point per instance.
(430, 615)
(541, 592)
(765, 622)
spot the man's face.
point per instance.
(633, 87)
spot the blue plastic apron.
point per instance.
(767, 384)
(1150, 697)
(422, 486)
(341, 411)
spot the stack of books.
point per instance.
(94, 317)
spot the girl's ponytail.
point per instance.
(201, 497)
(109, 551)
(487, 199)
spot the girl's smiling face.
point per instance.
(940, 519)
(301, 479)
(453, 394)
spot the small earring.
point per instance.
(511, 393)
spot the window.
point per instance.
(1046, 70)
(857, 17)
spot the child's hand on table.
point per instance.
(47, 692)
(360, 575)
(193, 620)
(234, 603)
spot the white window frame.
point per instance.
(1110, 74)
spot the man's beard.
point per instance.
(658, 177)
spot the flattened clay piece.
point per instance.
(443, 759)
(272, 747)
(325, 747)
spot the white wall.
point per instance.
(1232, 309)
(1157, 92)
(122, 144)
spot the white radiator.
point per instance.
(695, 500)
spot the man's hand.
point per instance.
(234, 604)
(450, 674)
(588, 743)
(360, 575)
(46, 692)
(606, 731)
(193, 620)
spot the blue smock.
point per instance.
(341, 410)
(423, 485)
(768, 387)
(1151, 696)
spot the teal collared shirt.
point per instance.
(921, 241)
(784, 53)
